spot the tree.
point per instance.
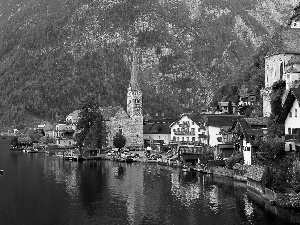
(119, 140)
(92, 130)
(46, 140)
(14, 142)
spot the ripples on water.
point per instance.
(42, 189)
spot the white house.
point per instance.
(290, 117)
(188, 128)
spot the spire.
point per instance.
(134, 70)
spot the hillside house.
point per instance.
(157, 131)
(245, 133)
(282, 61)
(290, 117)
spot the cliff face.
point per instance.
(54, 52)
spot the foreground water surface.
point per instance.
(42, 189)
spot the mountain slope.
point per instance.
(52, 53)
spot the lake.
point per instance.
(43, 189)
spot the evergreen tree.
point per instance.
(92, 130)
(119, 140)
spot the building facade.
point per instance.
(281, 63)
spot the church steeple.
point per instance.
(134, 93)
(134, 69)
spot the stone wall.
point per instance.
(255, 172)
(132, 129)
(283, 199)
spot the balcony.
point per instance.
(292, 137)
(184, 133)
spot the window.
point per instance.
(174, 130)
(193, 130)
(193, 138)
(193, 122)
(158, 137)
(187, 139)
(295, 112)
(177, 138)
(182, 138)
(178, 129)
(289, 130)
(290, 114)
(120, 130)
(198, 129)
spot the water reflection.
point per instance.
(65, 192)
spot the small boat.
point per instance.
(129, 159)
(32, 150)
(185, 169)
(1, 172)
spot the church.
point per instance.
(130, 122)
(283, 60)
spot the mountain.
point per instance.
(53, 53)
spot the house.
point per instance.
(282, 60)
(227, 107)
(187, 129)
(157, 131)
(64, 133)
(73, 117)
(291, 119)
(245, 133)
(45, 128)
(215, 125)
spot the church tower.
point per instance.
(134, 104)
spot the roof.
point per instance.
(294, 60)
(109, 111)
(218, 120)
(293, 94)
(74, 114)
(195, 117)
(157, 128)
(252, 127)
(225, 103)
(288, 41)
(292, 69)
(257, 121)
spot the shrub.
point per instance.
(236, 157)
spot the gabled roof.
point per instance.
(195, 117)
(257, 121)
(294, 60)
(292, 69)
(288, 41)
(74, 114)
(157, 128)
(293, 94)
(217, 120)
(109, 111)
(247, 124)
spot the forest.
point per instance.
(54, 53)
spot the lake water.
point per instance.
(42, 189)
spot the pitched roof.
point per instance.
(195, 117)
(257, 121)
(74, 114)
(294, 60)
(292, 69)
(288, 41)
(218, 120)
(293, 94)
(109, 111)
(157, 128)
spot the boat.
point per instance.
(185, 169)
(31, 150)
(128, 159)
(1, 172)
